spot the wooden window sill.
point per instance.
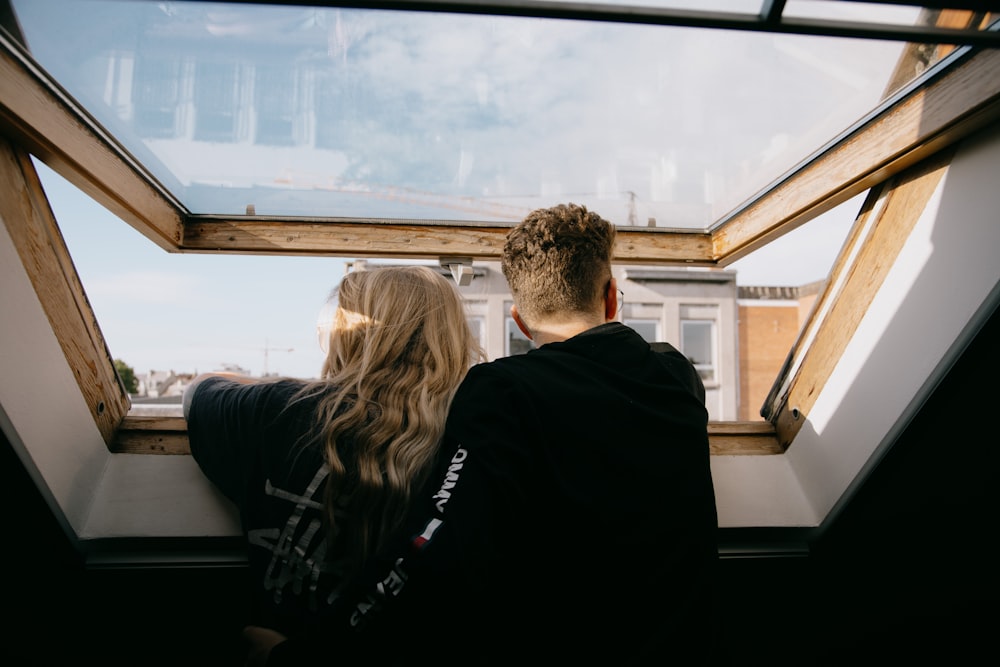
(168, 435)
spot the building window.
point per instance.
(648, 329)
(478, 327)
(698, 345)
(516, 342)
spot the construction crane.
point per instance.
(268, 349)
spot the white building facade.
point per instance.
(694, 310)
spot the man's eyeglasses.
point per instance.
(621, 301)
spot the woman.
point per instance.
(322, 471)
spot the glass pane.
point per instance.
(387, 114)
(697, 344)
(696, 341)
(734, 6)
(863, 12)
(648, 329)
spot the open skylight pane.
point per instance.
(306, 111)
(733, 6)
(864, 12)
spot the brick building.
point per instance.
(769, 322)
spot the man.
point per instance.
(575, 520)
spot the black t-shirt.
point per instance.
(574, 522)
(255, 446)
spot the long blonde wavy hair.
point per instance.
(398, 346)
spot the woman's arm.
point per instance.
(190, 389)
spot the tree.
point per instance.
(127, 375)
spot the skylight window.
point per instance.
(714, 137)
(310, 111)
(258, 149)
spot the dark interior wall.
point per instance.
(903, 575)
(912, 556)
(56, 612)
(906, 572)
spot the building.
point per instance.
(695, 310)
(771, 319)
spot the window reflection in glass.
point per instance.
(393, 114)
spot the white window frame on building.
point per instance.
(702, 353)
(673, 296)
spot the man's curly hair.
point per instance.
(558, 260)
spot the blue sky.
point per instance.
(187, 313)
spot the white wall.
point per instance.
(943, 286)
(44, 415)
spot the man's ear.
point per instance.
(611, 300)
(520, 323)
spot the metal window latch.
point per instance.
(461, 269)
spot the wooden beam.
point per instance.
(872, 247)
(754, 438)
(918, 56)
(44, 121)
(412, 239)
(152, 435)
(339, 237)
(926, 120)
(168, 435)
(651, 246)
(25, 213)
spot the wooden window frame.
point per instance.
(898, 153)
